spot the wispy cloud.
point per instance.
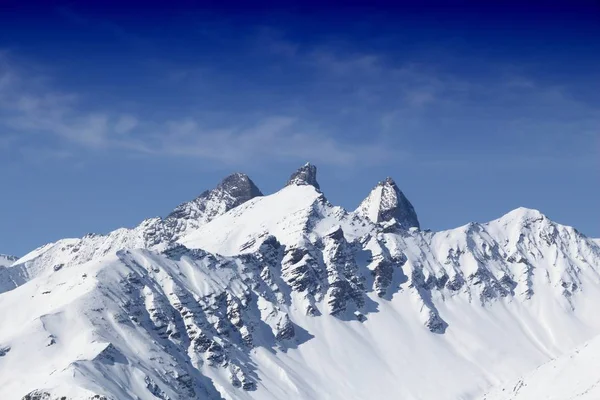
(31, 113)
(355, 108)
(273, 138)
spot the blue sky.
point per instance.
(113, 113)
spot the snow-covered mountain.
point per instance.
(242, 296)
(387, 202)
(154, 232)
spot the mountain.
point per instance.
(387, 203)
(289, 296)
(570, 376)
(305, 175)
(230, 193)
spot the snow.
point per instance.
(486, 345)
(6, 260)
(570, 376)
(286, 215)
(240, 307)
(386, 202)
(150, 233)
(371, 205)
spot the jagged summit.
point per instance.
(234, 190)
(386, 202)
(305, 175)
(240, 186)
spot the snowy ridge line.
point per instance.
(289, 296)
(151, 233)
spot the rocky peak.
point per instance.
(305, 175)
(386, 202)
(234, 190)
(240, 187)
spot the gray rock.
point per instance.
(387, 203)
(305, 175)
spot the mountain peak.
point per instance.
(305, 175)
(239, 186)
(389, 181)
(234, 190)
(386, 202)
(522, 214)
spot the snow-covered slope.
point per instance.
(288, 296)
(571, 376)
(231, 192)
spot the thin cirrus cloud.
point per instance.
(275, 138)
(30, 111)
(396, 103)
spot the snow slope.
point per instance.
(571, 376)
(288, 296)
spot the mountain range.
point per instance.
(240, 295)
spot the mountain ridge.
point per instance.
(287, 295)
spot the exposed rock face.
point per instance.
(386, 203)
(42, 395)
(234, 190)
(345, 284)
(305, 175)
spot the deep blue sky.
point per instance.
(113, 113)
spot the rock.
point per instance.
(386, 202)
(305, 175)
(4, 350)
(284, 328)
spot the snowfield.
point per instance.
(243, 296)
(571, 376)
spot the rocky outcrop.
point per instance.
(305, 175)
(345, 283)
